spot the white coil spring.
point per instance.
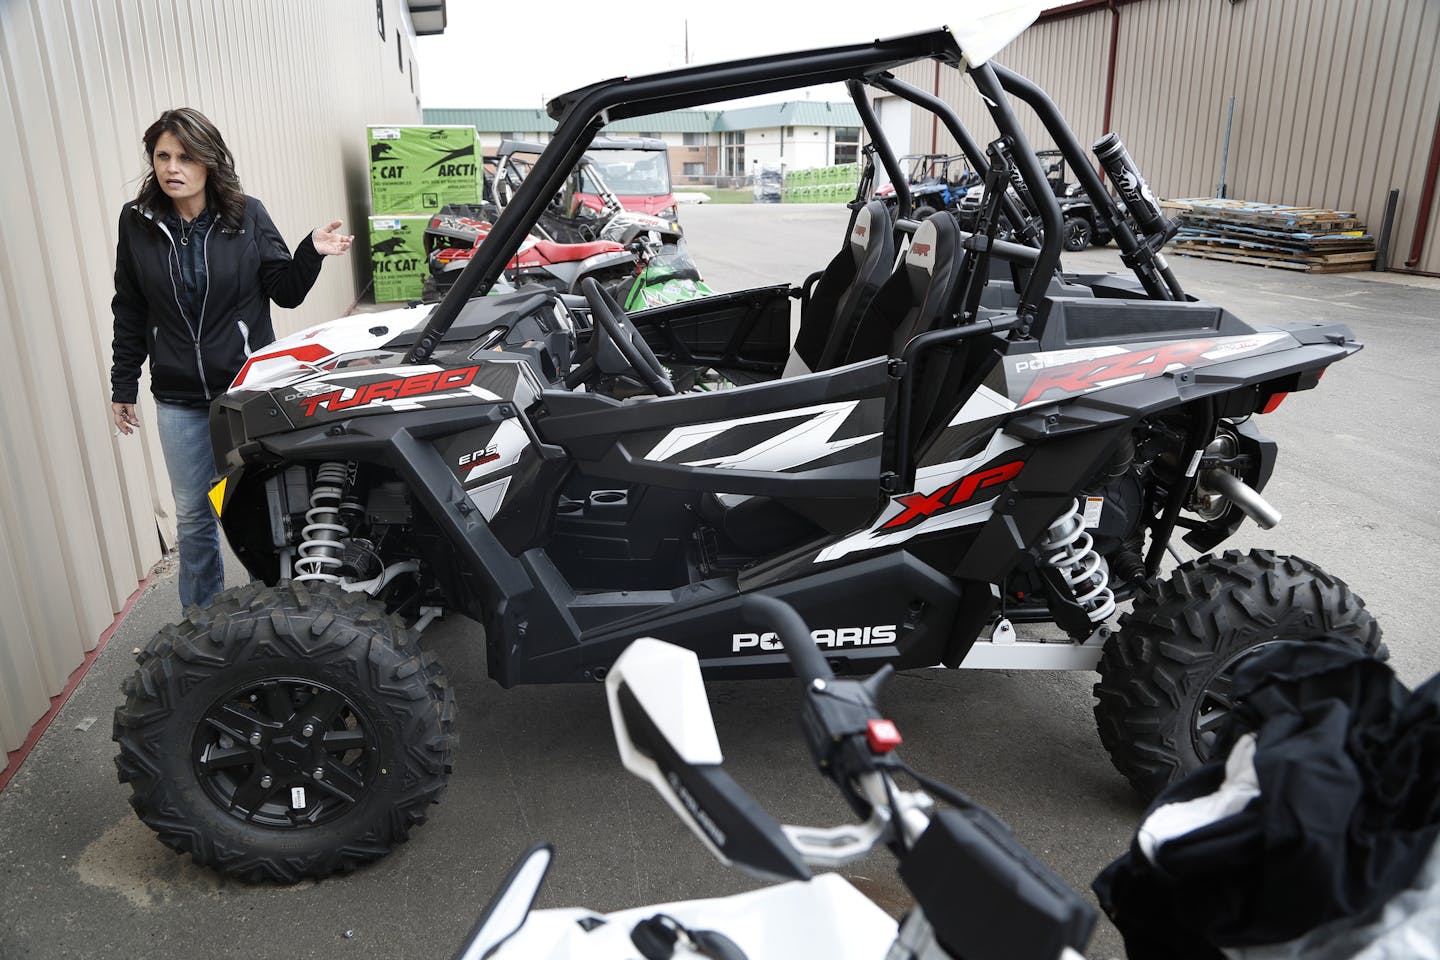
(320, 537)
(1068, 548)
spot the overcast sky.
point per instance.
(520, 54)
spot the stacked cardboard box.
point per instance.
(835, 184)
(414, 171)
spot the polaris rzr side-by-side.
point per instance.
(960, 436)
(937, 181)
(1080, 225)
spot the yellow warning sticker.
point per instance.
(217, 495)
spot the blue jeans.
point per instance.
(185, 440)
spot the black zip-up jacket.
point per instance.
(194, 359)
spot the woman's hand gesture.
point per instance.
(330, 243)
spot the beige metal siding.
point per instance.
(1335, 101)
(291, 86)
(1066, 58)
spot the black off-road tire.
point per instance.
(1165, 675)
(1077, 234)
(386, 746)
(922, 213)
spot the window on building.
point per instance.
(380, 17)
(847, 144)
(694, 139)
(733, 154)
(694, 170)
(649, 134)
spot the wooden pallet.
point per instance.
(1308, 254)
(1265, 214)
(1276, 262)
(1308, 239)
(1338, 238)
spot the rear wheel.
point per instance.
(1166, 676)
(923, 212)
(284, 733)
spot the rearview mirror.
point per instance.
(666, 737)
(507, 910)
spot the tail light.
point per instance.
(1273, 402)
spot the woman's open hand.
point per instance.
(330, 243)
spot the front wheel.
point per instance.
(286, 732)
(1077, 234)
(1165, 677)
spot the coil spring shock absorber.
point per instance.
(1068, 548)
(320, 537)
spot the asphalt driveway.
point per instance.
(81, 877)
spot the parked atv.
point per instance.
(585, 231)
(937, 181)
(638, 170)
(962, 440)
(1082, 227)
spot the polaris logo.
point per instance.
(877, 636)
(920, 249)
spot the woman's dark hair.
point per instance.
(202, 141)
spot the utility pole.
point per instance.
(687, 42)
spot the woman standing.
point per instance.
(197, 266)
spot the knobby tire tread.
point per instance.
(1154, 669)
(296, 624)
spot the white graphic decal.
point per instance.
(801, 444)
(508, 444)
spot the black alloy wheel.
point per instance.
(286, 753)
(284, 732)
(1077, 234)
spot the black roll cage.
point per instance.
(582, 113)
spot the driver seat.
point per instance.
(843, 292)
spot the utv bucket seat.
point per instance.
(843, 291)
(917, 297)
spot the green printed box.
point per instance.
(419, 169)
(397, 257)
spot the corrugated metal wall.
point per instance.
(1335, 102)
(1066, 58)
(291, 86)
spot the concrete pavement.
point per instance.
(81, 877)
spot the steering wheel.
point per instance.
(610, 318)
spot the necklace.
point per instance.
(185, 230)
